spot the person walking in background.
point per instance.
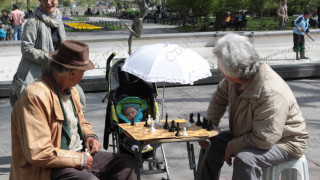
(17, 18)
(301, 26)
(282, 13)
(7, 25)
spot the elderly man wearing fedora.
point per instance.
(49, 132)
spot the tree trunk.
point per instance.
(28, 4)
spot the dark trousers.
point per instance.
(105, 166)
(298, 42)
(247, 164)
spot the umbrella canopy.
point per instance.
(167, 63)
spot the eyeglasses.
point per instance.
(46, 1)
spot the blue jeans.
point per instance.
(17, 34)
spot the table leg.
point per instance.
(165, 162)
(192, 159)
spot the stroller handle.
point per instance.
(112, 55)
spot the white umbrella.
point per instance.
(167, 63)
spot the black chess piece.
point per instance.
(191, 118)
(199, 123)
(166, 125)
(178, 133)
(132, 122)
(173, 124)
(178, 127)
(204, 123)
(146, 124)
(172, 127)
(210, 127)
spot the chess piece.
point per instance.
(210, 127)
(199, 123)
(191, 118)
(146, 124)
(172, 127)
(152, 129)
(159, 121)
(188, 124)
(132, 122)
(149, 118)
(204, 123)
(156, 121)
(178, 133)
(166, 125)
(178, 127)
(185, 132)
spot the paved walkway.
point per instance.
(180, 101)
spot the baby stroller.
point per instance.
(124, 88)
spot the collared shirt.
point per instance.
(75, 141)
(17, 17)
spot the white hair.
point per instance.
(237, 58)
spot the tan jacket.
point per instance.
(36, 128)
(282, 12)
(264, 114)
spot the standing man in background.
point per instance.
(17, 18)
(282, 13)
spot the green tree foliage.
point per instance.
(200, 10)
(66, 2)
(5, 5)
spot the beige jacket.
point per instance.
(264, 114)
(36, 128)
(282, 12)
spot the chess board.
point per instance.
(141, 133)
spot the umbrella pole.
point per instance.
(164, 88)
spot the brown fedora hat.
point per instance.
(73, 55)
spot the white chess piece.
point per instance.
(188, 123)
(149, 119)
(185, 132)
(158, 119)
(152, 129)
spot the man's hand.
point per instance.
(95, 145)
(228, 157)
(89, 160)
(309, 35)
(299, 28)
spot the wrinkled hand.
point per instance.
(89, 160)
(95, 145)
(228, 156)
